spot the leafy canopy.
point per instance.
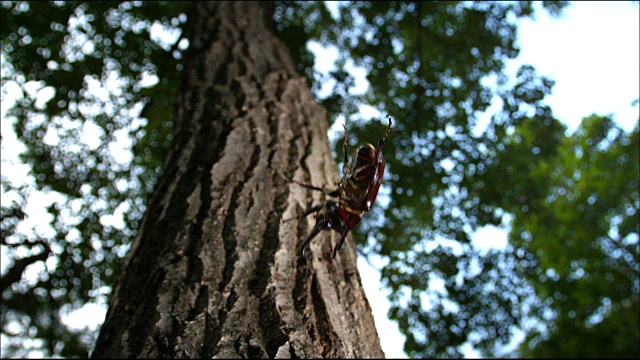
(79, 75)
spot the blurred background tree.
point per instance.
(94, 84)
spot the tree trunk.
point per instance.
(214, 272)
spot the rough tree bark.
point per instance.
(214, 272)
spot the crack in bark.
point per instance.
(300, 292)
(323, 326)
(145, 316)
(292, 351)
(230, 238)
(271, 325)
(230, 243)
(270, 243)
(200, 304)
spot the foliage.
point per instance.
(581, 227)
(77, 72)
(437, 68)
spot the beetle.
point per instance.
(357, 191)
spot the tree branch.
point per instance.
(15, 273)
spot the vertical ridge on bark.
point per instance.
(214, 272)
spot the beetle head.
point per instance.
(328, 217)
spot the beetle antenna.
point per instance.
(388, 126)
(384, 137)
(345, 146)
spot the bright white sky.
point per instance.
(592, 52)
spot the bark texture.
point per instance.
(214, 272)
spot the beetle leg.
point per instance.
(327, 192)
(306, 213)
(322, 222)
(345, 146)
(381, 142)
(384, 137)
(343, 236)
(334, 193)
(312, 209)
(316, 229)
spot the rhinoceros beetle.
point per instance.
(357, 190)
